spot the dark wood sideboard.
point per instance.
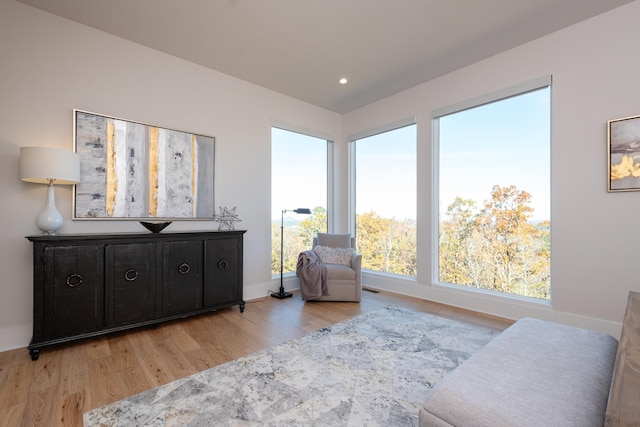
(85, 285)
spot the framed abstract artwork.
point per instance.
(623, 141)
(137, 171)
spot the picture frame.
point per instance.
(137, 171)
(623, 154)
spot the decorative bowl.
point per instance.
(155, 226)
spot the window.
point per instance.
(299, 179)
(385, 199)
(494, 192)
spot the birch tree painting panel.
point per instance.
(131, 170)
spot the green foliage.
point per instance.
(297, 238)
(386, 244)
(496, 247)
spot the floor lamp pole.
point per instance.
(281, 292)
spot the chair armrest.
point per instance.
(356, 261)
(356, 265)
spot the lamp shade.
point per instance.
(41, 164)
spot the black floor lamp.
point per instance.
(281, 293)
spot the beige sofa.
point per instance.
(539, 373)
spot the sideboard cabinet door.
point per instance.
(131, 283)
(69, 291)
(223, 273)
(182, 277)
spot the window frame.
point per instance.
(351, 187)
(509, 92)
(500, 95)
(329, 172)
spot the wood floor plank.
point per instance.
(97, 348)
(70, 379)
(12, 415)
(153, 366)
(74, 370)
(181, 338)
(15, 380)
(106, 385)
(201, 359)
(73, 406)
(127, 364)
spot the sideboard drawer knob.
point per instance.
(184, 268)
(130, 275)
(74, 280)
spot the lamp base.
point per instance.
(49, 220)
(282, 294)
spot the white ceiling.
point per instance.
(302, 47)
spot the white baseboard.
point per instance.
(260, 290)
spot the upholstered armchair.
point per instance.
(344, 282)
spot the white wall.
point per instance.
(49, 66)
(595, 67)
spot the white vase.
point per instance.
(49, 220)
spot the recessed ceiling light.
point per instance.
(343, 81)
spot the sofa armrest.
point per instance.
(623, 408)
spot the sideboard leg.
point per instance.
(242, 307)
(35, 353)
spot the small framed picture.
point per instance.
(623, 141)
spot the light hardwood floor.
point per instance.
(70, 379)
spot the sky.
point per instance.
(503, 143)
(298, 172)
(386, 174)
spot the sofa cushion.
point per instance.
(536, 373)
(334, 240)
(329, 255)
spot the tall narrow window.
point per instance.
(299, 179)
(385, 200)
(494, 194)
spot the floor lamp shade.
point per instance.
(49, 166)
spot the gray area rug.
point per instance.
(372, 370)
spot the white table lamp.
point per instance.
(49, 166)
